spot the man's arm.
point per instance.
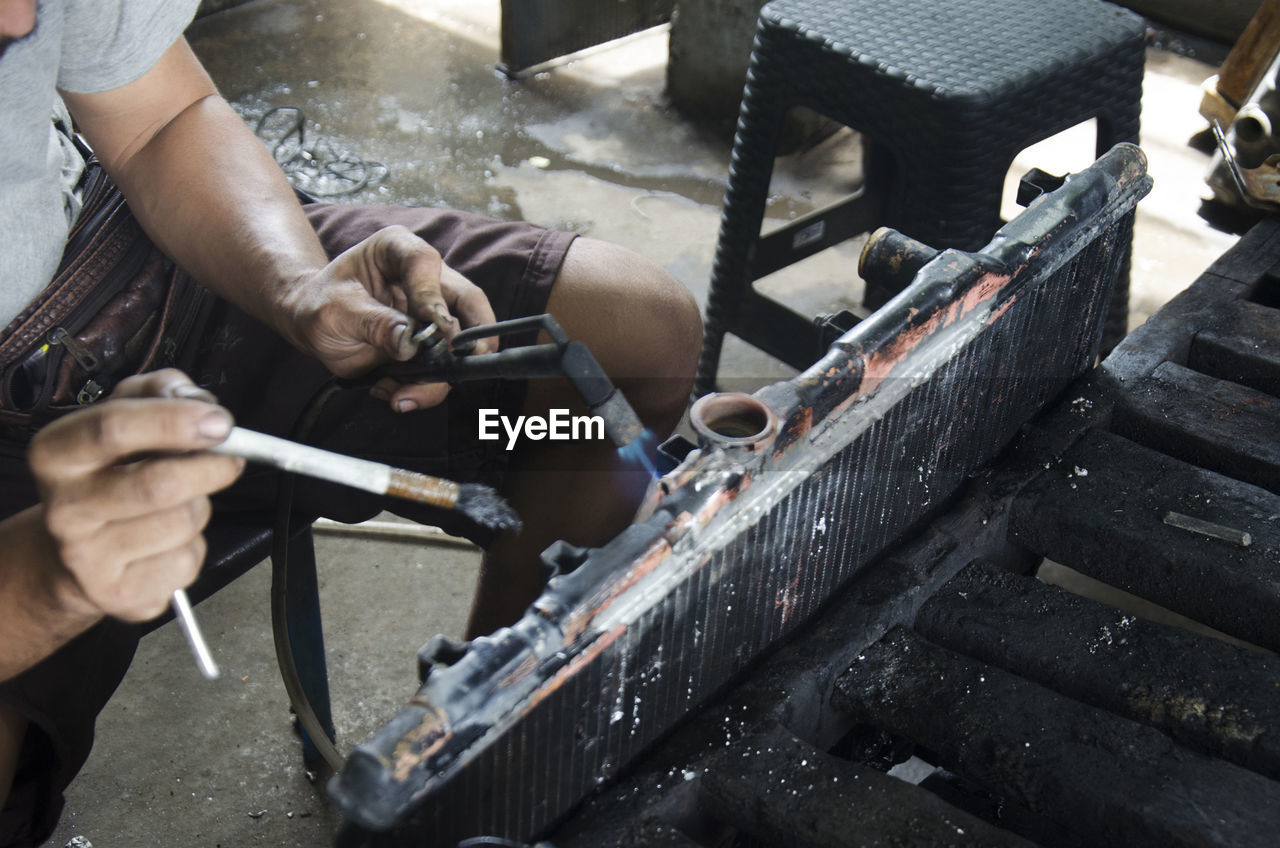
(207, 190)
(114, 534)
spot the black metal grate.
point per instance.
(1086, 718)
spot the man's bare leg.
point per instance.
(645, 329)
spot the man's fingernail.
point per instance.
(187, 390)
(399, 335)
(406, 406)
(215, 425)
(379, 393)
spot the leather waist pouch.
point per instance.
(116, 307)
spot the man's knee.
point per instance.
(641, 323)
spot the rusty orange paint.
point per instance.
(407, 755)
(800, 424)
(526, 666)
(582, 617)
(574, 666)
(1001, 310)
(880, 363)
(787, 599)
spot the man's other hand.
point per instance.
(124, 487)
(361, 310)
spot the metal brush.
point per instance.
(479, 503)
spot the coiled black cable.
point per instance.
(317, 168)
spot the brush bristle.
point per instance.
(486, 507)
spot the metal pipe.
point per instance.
(1192, 524)
(890, 260)
(733, 419)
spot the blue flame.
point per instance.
(638, 453)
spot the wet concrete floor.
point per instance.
(592, 147)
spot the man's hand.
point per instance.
(361, 310)
(237, 227)
(124, 487)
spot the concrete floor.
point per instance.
(592, 147)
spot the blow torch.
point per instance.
(453, 361)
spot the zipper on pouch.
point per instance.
(85, 358)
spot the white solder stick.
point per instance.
(290, 456)
(303, 459)
(338, 468)
(199, 647)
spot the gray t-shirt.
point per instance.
(80, 46)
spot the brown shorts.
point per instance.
(266, 384)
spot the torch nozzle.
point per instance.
(455, 363)
(621, 424)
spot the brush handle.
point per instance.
(303, 459)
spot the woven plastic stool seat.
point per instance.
(945, 93)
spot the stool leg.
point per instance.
(945, 206)
(939, 204)
(750, 168)
(306, 638)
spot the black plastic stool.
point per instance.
(946, 93)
